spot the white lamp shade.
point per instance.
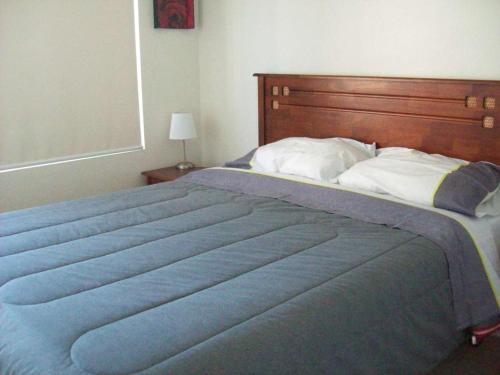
(182, 126)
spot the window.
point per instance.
(70, 82)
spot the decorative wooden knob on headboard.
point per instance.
(488, 122)
(489, 102)
(471, 101)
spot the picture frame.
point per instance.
(174, 14)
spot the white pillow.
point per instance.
(404, 173)
(319, 159)
(432, 180)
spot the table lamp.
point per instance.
(181, 128)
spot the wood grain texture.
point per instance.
(262, 110)
(432, 115)
(167, 174)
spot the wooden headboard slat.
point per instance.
(458, 118)
(378, 96)
(461, 120)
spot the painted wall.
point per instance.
(209, 71)
(426, 38)
(170, 83)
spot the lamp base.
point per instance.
(184, 165)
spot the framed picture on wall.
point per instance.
(174, 14)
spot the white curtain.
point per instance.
(68, 80)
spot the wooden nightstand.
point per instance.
(167, 174)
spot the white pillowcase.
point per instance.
(319, 159)
(402, 172)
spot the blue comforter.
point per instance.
(184, 278)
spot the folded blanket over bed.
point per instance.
(212, 275)
(474, 299)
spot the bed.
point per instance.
(230, 272)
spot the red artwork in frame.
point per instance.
(174, 14)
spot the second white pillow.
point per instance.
(402, 172)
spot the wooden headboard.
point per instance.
(458, 118)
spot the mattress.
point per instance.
(186, 278)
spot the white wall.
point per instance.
(170, 83)
(426, 38)
(236, 38)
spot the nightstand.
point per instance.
(167, 174)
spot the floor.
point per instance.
(467, 360)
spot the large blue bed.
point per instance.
(226, 272)
(200, 277)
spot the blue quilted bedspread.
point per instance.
(181, 278)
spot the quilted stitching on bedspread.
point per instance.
(150, 278)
